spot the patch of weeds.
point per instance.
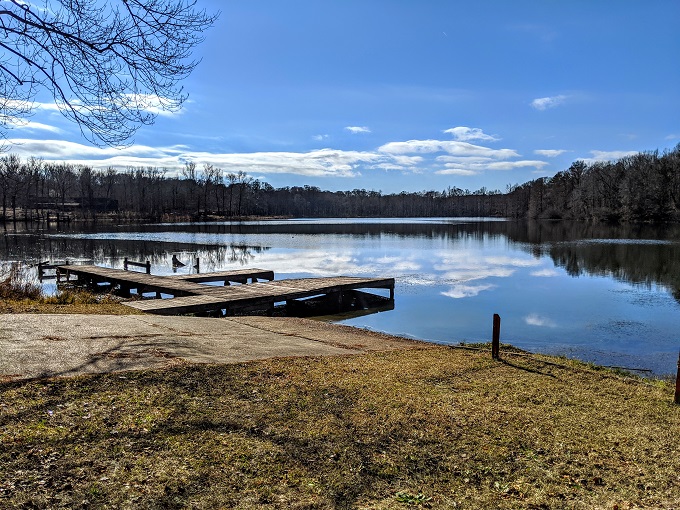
(73, 297)
(16, 283)
(407, 498)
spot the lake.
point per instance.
(606, 294)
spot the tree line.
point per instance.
(643, 187)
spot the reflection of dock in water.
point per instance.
(236, 296)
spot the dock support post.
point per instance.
(148, 267)
(677, 383)
(125, 263)
(496, 339)
(197, 266)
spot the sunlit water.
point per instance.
(595, 293)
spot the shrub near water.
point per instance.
(20, 292)
(17, 284)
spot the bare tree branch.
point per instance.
(110, 66)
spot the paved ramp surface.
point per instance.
(42, 345)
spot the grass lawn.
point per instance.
(438, 428)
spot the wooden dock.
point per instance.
(190, 296)
(184, 285)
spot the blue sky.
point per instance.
(405, 95)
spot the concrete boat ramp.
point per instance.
(39, 345)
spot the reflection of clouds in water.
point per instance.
(512, 261)
(323, 263)
(319, 263)
(413, 280)
(398, 263)
(546, 273)
(464, 291)
(533, 319)
(469, 266)
(481, 273)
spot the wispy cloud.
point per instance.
(550, 153)
(318, 163)
(544, 273)
(545, 103)
(466, 134)
(439, 157)
(451, 147)
(672, 137)
(609, 155)
(476, 166)
(30, 125)
(355, 130)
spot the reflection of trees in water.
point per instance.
(634, 263)
(34, 248)
(569, 244)
(582, 248)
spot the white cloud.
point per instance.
(320, 138)
(456, 171)
(154, 104)
(672, 137)
(609, 155)
(17, 123)
(317, 163)
(451, 147)
(475, 166)
(357, 129)
(466, 134)
(511, 165)
(534, 319)
(441, 157)
(50, 107)
(550, 153)
(544, 103)
(544, 273)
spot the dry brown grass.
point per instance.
(442, 428)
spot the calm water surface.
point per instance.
(604, 294)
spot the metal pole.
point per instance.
(496, 339)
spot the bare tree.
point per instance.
(110, 66)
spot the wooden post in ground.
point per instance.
(125, 263)
(677, 383)
(148, 267)
(496, 339)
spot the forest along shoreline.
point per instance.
(642, 187)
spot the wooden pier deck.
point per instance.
(184, 285)
(193, 297)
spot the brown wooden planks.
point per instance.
(195, 297)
